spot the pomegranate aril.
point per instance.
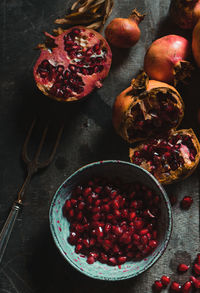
(186, 202)
(175, 287)
(112, 261)
(196, 268)
(182, 268)
(78, 248)
(153, 243)
(121, 260)
(195, 282)
(90, 259)
(157, 286)
(187, 287)
(165, 280)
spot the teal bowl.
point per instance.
(60, 226)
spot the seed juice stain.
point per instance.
(59, 229)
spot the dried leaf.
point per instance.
(95, 25)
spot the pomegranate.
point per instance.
(196, 43)
(165, 59)
(112, 222)
(72, 64)
(146, 108)
(170, 157)
(124, 32)
(185, 13)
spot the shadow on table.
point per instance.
(51, 273)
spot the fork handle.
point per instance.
(8, 227)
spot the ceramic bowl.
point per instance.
(60, 226)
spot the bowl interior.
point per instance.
(60, 226)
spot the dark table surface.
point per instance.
(31, 262)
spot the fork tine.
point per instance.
(41, 143)
(48, 161)
(24, 148)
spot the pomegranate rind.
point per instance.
(181, 172)
(185, 13)
(121, 116)
(57, 56)
(169, 65)
(196, 43)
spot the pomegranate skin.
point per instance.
(185, 13)
(126, 100)
(124, 32)
(196, 43)
(164, 57)
(62, 58)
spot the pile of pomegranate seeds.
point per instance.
(165, 153)
(192, 285)
(112, 222)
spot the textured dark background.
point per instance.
(31, 262)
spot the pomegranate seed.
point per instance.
(78, 248)
(157, 286)
(186, 288)
(186, 202)
(195, 281)
(153, 243)
(165, 280)
(175, 287)
(90, 260)
(87, 191)
(197, 269)
(112, 261)
(68, 204)
(122, 259)
(182, 268)
(144, 231)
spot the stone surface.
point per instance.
(31, 262)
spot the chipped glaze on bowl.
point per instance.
(60, 226)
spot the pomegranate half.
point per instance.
(146, 108)
(170, 157)
(72, 64)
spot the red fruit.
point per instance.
(122, 259)
(182, 268)
(157, 286)
(78, 60)
(175, 287)
(165, 280)
(185, 13)
(187, 287)
(186, 202)
(124, 32)
(197, 269)
(165, 59)
(195, 281)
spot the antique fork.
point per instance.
(32, 167)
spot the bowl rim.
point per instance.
(167, 234)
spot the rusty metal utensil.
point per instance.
(32, 167)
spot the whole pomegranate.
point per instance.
(169, 157)
(72, 64)
(146, 108)
(185, 13)
(196, 43)
(165, 59)
(124, 32)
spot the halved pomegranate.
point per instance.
(72, 64)
(170, 157)
(147, 108)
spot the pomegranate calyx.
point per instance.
(136, 16)
(139, 84)
(182, 72)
